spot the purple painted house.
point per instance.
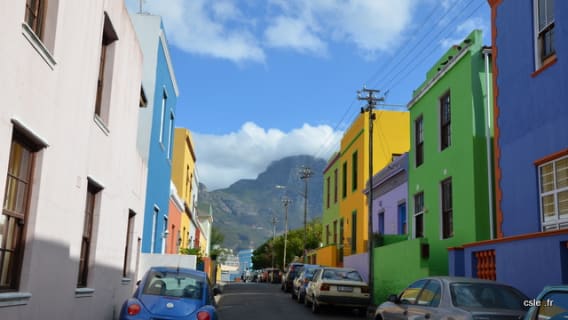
(530, 247)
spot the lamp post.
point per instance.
(305, 174)
(285, 202)
(273, 237)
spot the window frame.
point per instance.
(418, 212)
(335, 185)
(104, 82)
(344, 180)
(36, 13)
(163, 116)
(557, 221)
(542, 58)
(128, 244)
(445, 103)
(88, 235)
(354, 170)
(419, 140)
(14, 268)
(447, 216)
(354, 232)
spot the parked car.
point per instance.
(293, 270)
(550, 304)
(454, 298)
(301, 282)
(342, 287)
(171, 293)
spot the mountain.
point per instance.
(243, 212)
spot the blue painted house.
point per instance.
(156, 127)
(530, 245)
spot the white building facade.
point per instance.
(71, 179)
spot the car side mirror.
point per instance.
(216, 291)
(394, 299)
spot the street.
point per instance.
(240, 301)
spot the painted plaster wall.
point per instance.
(388, 204)
(56, 103)
(532, 111)
(465, 161)
(392, 276)
(527, 264)
(175, 211)
(327, 256)
(359, 262)
(390, 129)
(151, 32)
(331, 213)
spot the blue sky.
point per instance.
(263, 79)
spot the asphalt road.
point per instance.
(246, 301)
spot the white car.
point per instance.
(343, 287)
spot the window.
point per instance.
(381, 222)
(409, 295)
(109, 37)
(344, 182)
(354, 171)
(35, 16)
(327, 234)
(553, 182)
(544, 23)
(354, 232)
(143, 101)
(128, 246)
(335, 231)
(328, 191)
(553, 305)
(88, 237)
(341, 239)
(170, 135)
(15, 210)
(430, 295)
(335, 176)
(447, 213)
(419, 141)
(154, 229)
(445, 122)
(402, 225)
(419, 215)
(163, 115)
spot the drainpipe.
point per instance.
(486, 54)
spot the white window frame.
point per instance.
(539, 60)
(170, 135)
(415, 214)
(557, 222)
(163, 116)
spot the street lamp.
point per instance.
(285, 202)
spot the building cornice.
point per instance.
(169, 61)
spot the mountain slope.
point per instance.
(243, 212)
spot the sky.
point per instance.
(260, 80)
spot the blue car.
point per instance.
(172, 293)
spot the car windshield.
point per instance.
(486, 295)
(174, 284)
(351, 275)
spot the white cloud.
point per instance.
(208, 28)
(463, 29)
(224, 159)
(241, 31)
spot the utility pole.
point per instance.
(369, 96)
(285, 202)
(305, 174)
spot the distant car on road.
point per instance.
(171, 293)
(342, 287)
(457, 298)
(550, 304)
(292, 272)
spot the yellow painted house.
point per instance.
(183, 176)
(391, 138)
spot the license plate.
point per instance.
(344, 289)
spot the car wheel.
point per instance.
(315, 306)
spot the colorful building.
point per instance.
(156, 127)
(530, 247)
(175, 212)
(331, 220)
(390, 140)
(72, 182)
(449, 168)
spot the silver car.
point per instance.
(456, 298)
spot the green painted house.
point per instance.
(449, 172)
(331, 219)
